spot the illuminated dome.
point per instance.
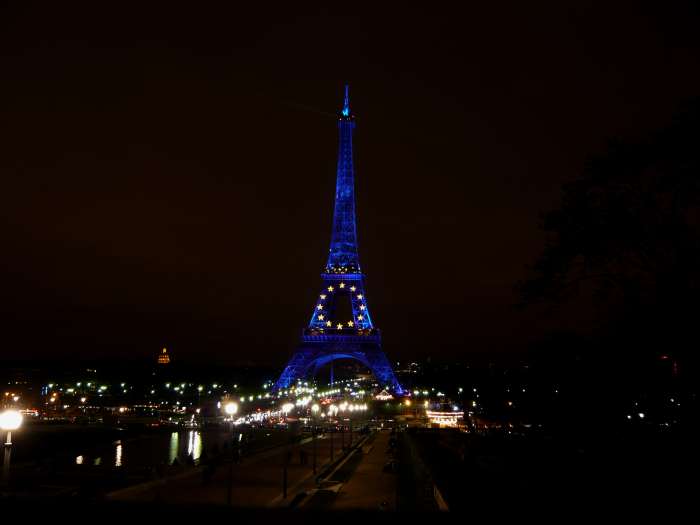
(163, 357)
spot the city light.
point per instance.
(231, 408)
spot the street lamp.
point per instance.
(231, 408)
(9, 420)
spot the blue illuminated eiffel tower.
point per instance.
(329, 335)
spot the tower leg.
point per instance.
(381, 369)
(296, 369)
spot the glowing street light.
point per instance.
(9, 420)
(231, 408)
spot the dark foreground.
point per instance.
(438, 474)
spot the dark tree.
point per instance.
(628, 235)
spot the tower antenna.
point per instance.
(346, 103)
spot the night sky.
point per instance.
(168, 172)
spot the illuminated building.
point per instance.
(383, 396)
(330, 334)
(163, 357)
(443, 419)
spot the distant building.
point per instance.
(446, 419)
(163, 357)
(383, 396)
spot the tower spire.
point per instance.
(346, 105)
(343, 257)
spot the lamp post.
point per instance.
(231, 409)
(314, 410)
(313, 444)
(9, 420)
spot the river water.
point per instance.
(72, 445)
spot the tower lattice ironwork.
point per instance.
(329, 335)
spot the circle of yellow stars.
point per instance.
(350, 324)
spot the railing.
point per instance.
(342, 276)
(340, 337)
(420, 491)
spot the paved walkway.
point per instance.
(369, 487)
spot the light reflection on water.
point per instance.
(118, 455)
(174, 446)
(152, 450)
(194, 444)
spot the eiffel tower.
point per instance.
(331, 333)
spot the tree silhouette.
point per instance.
(628, 231)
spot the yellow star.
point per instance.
(321, 318)
(323, 296)
(352, 288)
(340, 326)
(359, 296)
(320, 307)
(362, 307)
(328, 323)
(341, 285)
(330, 288)
(350, 324)
(360, 317)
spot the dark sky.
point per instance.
(168, 172)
